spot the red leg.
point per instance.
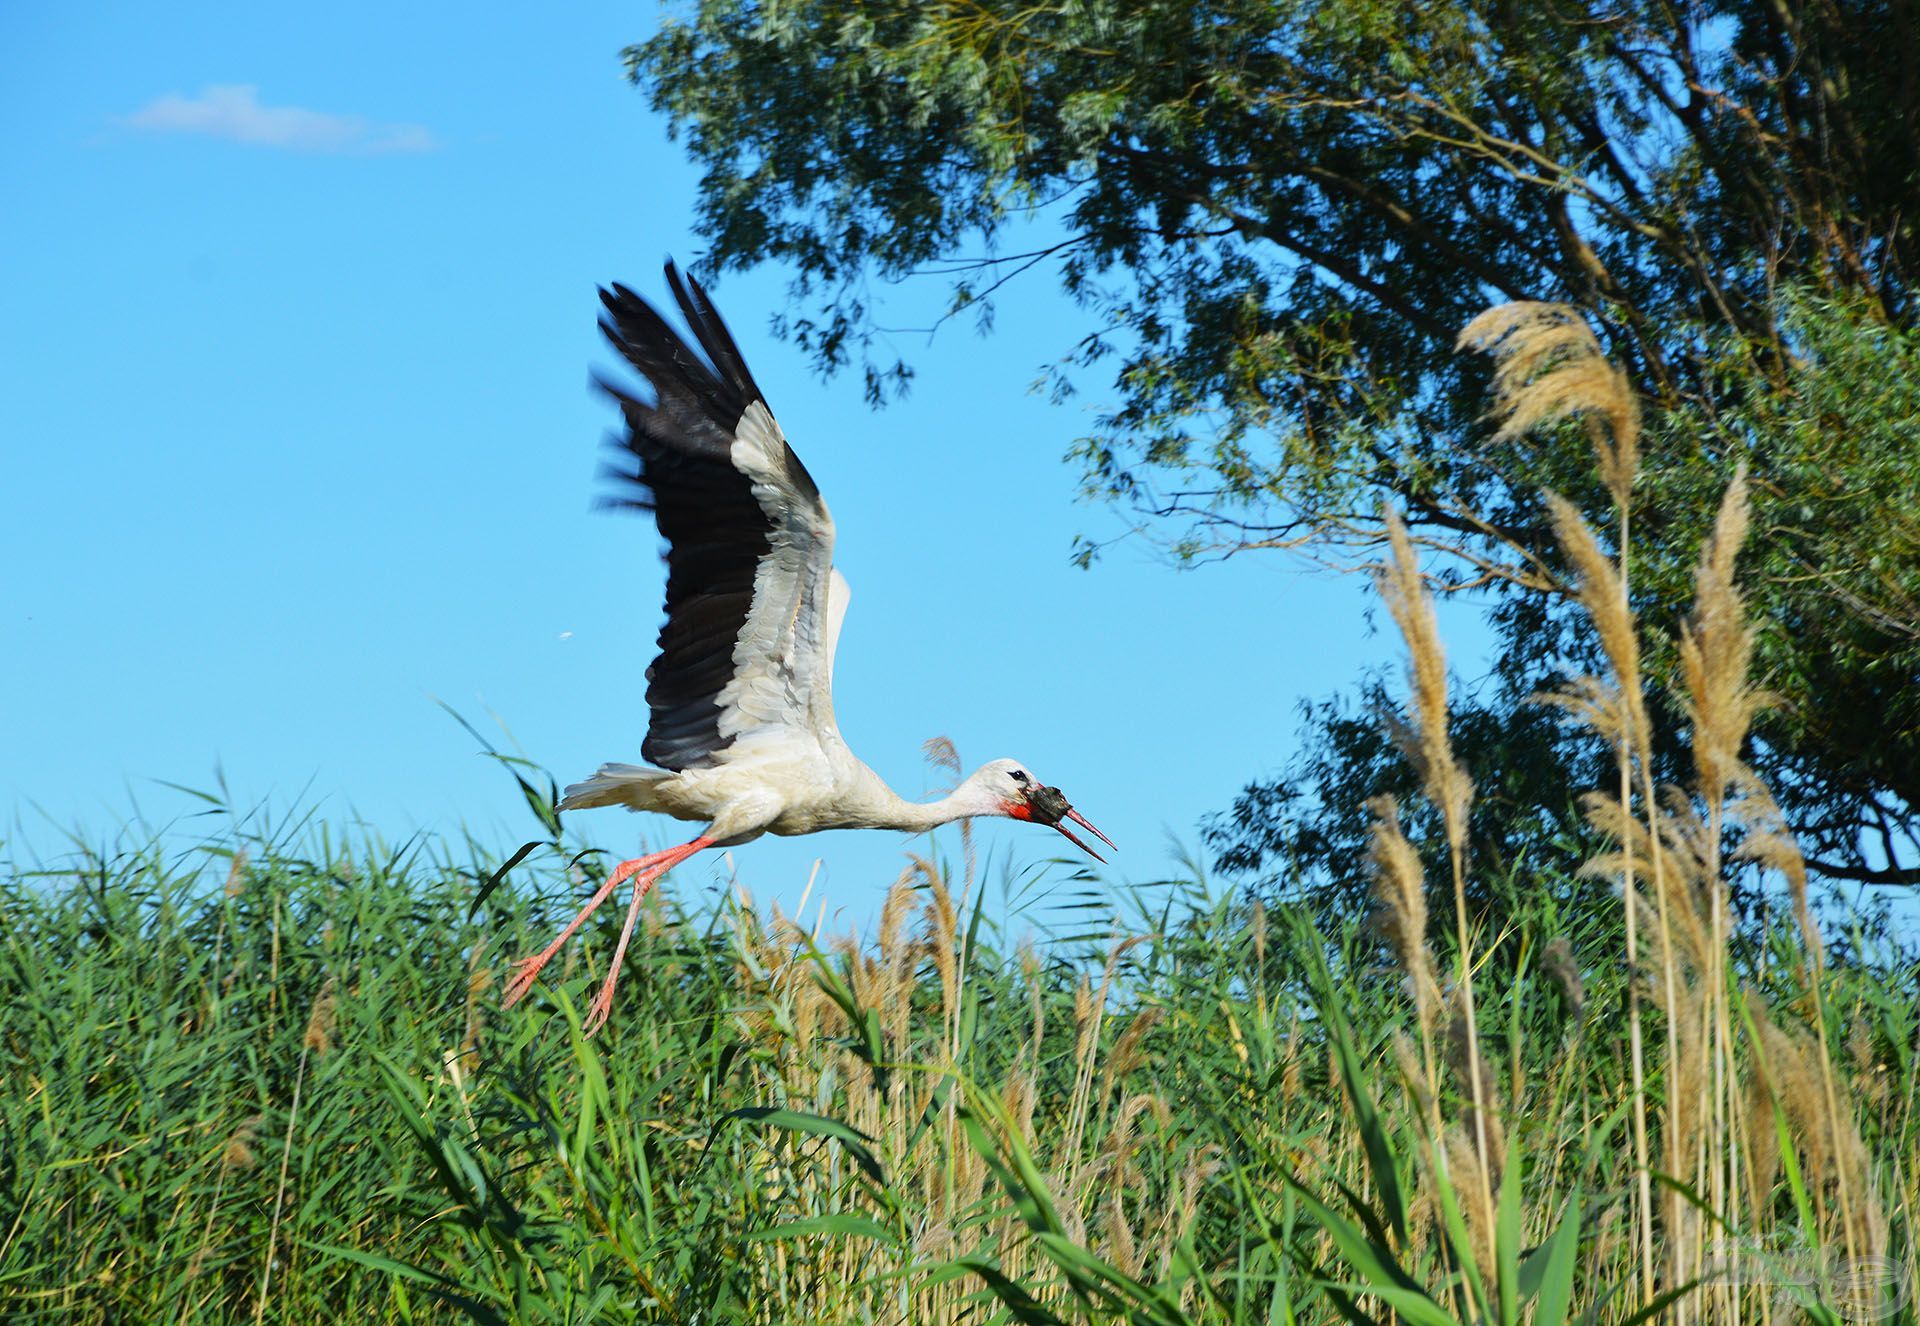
(661, 863)
(526, 969)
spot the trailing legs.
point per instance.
(643, 870)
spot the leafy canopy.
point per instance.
(1284, 209)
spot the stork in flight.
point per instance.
(742, 736)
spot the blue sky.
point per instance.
(294, 344)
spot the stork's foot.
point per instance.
(601, 1005)
(643, 870)
(527, 969)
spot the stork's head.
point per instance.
(1008, 789)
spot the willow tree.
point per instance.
(1282, 209)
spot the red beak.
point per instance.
(1086, 824)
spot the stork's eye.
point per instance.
(1019, 778)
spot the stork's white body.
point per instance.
(783, 792)
(742, 736)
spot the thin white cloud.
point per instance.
(233, 111)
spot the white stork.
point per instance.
(742, 735)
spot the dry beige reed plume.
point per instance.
(1122, 1249)
(479, 981)
(1548, 365)
(1604, 598)
(1020, 1094)
(1290, 1060)
(1800, 1077)
(236, 875)
(897, 956)
(318, 1037)
(1089, 1011)
(1427, 745)
(1716, 652)
(238, 1152)
(315, 1041)
(894, 914)
(1593, 703)
(1083, 1020)
(1676, 924)
(1413, 1073)
(1114, 1164)
(942, 936)
(1400, 900)
(1128, 1051)
(1203, 1163)
(1763, 1150)
(1771, 844)
(941, 753)
(1471, 1180)
(1559, 966)
(1036, 1000)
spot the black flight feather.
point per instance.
(677, 461)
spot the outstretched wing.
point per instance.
(746, 651)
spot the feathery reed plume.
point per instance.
(1481, 1118)
(894, 913)
(1771, 845)
(1462, 1150)
(941, 753)
(1404, 591)
(1558, 964)
(1548, 365)
(1127, 1053)
(1202, 1164)
(1414, 1070)
(1799, 1076)
(479, 981)
(1427, 744)
(1400, 911)
(236, 1156)
(318, 1037)
(1763, 1148)
(1036, 1001)
(1603, 594)
(238, 1152)
(1716, 652)
(1122, 1250)
(1089, 1011)
(942, 936)
(236, 875)
(897, 955)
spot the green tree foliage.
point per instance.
(1284, 210)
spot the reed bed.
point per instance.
(268, 1078)
(295, 1096)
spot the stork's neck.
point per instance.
(883, 808)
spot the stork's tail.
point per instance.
(629, 785)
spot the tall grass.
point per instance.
(269, 1079)
(275, 1085)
